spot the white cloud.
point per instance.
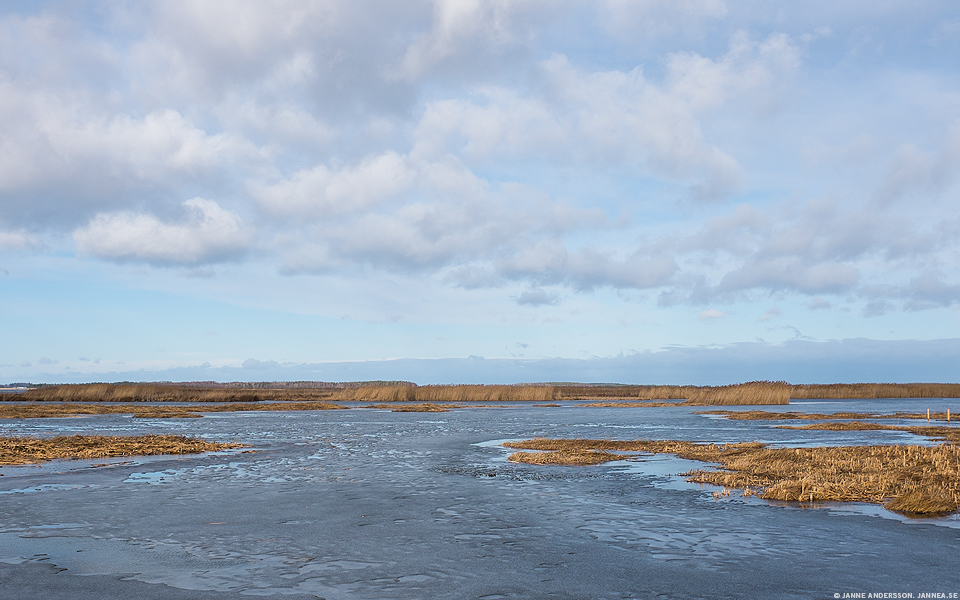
(18, 240)
(538, 297)
(710, 314)
(772, 313)
(913, 172)
(584, 269)
(792, 274)
(653, 19)
(209, 233)
(69, 156)
(483, 144)
(617, 117)
(463, 27)
(320, 192)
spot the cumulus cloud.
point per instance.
(585, 269)
(655, 19)
(462, 27)
(711, 314)
(922, 292)
(18, 240)
(320, 191)
(791, 274)
(913, 171)
(617, 117)
(209, 233)
(772, 313)
(538, 297)
(480, 144)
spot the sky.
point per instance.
(460, 191)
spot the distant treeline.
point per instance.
(754, 392)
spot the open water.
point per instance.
(362, 503)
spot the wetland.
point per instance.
(380, 504)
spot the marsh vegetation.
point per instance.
(753, 392)
(27, 450)
(46, 409)
(923, 480)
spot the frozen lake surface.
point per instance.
(372, 504)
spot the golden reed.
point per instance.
(923, 480)
(19, 450)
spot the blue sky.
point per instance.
(682, 191)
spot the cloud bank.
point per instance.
(798, 361)
(440, 162)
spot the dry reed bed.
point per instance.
(911, 479)
(875, 390)
(41, 410)
(447, 393)
(741, 394)
(147, 392)
(754, 392)
(19, 451)
(637, 392)
(797, 392)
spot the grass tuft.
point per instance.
(421, 407)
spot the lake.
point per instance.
(372, 504)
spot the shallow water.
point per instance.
(373, 504)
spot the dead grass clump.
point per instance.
(421, 407)
(20, 450)
(916, 479)
(566, 457)
(922, 503)
(167, 414)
